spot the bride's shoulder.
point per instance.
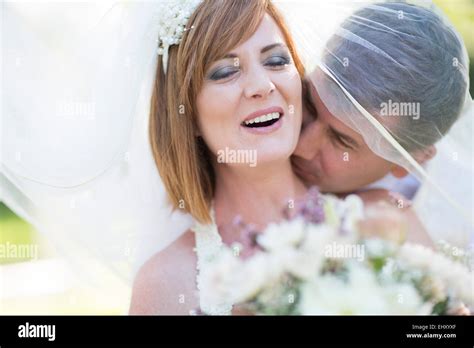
(165, 284)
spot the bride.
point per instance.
(243, 94)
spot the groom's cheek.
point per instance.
(308, 118)
(339, 172)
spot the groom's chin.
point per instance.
(328, 187)
(314, 182)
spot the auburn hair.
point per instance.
(182, 158)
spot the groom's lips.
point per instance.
(306, 176)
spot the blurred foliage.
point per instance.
(79, 299)
(14, 230)
(461, 15)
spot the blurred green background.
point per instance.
(461, 14)
(83, 300)
(14, 230)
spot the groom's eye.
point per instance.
(340, 140)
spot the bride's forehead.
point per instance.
(268, 32)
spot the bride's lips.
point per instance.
(264, 127)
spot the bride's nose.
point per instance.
(258, 84)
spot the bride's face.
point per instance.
(251, 99)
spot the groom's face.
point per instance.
(332, 155)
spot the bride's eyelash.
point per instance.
(222, 73)
(274, 61)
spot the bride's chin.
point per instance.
(276, 153)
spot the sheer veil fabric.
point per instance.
(75, 156)
(355, 40)
(76, 162)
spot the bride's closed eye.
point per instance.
(276, 61)
(223, 73)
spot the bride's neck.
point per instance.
(258, 195)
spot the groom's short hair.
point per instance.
(424, 63)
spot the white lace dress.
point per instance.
(208, 243)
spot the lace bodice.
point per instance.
(208, 243)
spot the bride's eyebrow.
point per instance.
(263, 50)
(230, 55)
(272, 46)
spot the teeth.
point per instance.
(264, 118)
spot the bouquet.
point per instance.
(326, 261)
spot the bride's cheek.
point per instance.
(290, 82)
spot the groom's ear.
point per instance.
(421, 156)
(399, 172)
(424, 155)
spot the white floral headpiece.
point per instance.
(172, 20)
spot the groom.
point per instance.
(334, 156)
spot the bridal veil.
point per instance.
(75, 157)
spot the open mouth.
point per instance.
(263, 121)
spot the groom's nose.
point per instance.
(310, 141)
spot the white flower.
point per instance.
(343, 213)
(404, 299)
(297, 249)
(283, 235)
(301, 264)
(258, 272)
(230, 279)
(331, 295)
(352, 211)
(377, 247)
(361, 294)
(455, 276)
(217, 279)
(317, 237)
(331, 211)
